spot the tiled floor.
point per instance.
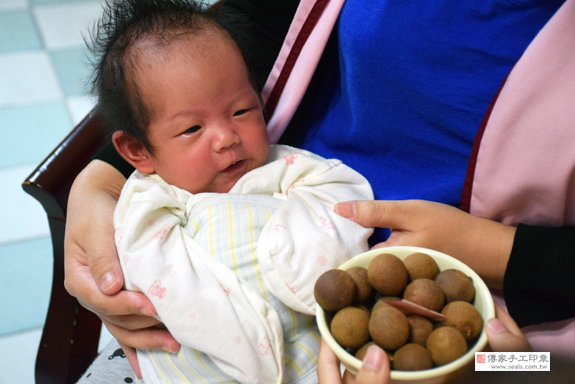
(42, 97)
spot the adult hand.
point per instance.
(482, 244)
(374, 369)
(504, 334)
(92, 270)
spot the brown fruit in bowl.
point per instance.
(334, 290)
(363, 288)
(383, 302)
(412, 357)
(387, 274)
(446, 344)
(388, 327)
(349, 327)
(426, 293)
(456, 285)
(419, 329)
(464, 317)
(420, 266)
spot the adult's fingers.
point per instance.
(377, 213)
(375, 367)
(132, 357)
(504, 334)
(131, 322)
(80, 284)
(89, 225)
(327, 365)
(120, 304)
(147, 338)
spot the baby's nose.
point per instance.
(225, 137)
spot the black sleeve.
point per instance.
(539, 283)
(109, 154)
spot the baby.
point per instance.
(225, 234)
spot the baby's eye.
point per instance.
(193, 129)
(240, 112)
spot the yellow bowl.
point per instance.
(483, 302)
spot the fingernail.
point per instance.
(373, 359)
(167, 349)
(147, 312)
(108, 281)
(496, 326)
(346, 209)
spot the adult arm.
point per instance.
(539, 283)
(92, 271)
(535, 266)
(482, 244)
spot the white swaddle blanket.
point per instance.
(232, 275)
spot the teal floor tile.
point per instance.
(72, 71)
(18, 32)
(25, 283)
(29, 133)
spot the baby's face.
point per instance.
(207, 126)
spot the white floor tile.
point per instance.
(18, 357)
(22, 216)
(27, 78)
(12, 4)
(62, 25)
(79, 107)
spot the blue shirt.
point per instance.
(411, 85)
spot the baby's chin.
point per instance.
(227, 185)
(226, 179)
(231, 175)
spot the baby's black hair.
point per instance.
(127, 22)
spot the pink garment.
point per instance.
(523, 165)
(296, 63)
(524, 171)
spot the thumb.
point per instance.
(504, 335)
(105, 267)
(375, 367)
(103, 261)
(89, 224)
(375, 213)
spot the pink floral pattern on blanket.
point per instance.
(157, 290)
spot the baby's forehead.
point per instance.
(155, 50)
(153, 54)
(184, 40)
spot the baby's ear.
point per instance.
(133, 151)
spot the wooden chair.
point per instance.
(71, 333)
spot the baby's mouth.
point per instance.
(235, 166)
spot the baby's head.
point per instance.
(174, 88)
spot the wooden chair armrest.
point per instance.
(71, 333)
